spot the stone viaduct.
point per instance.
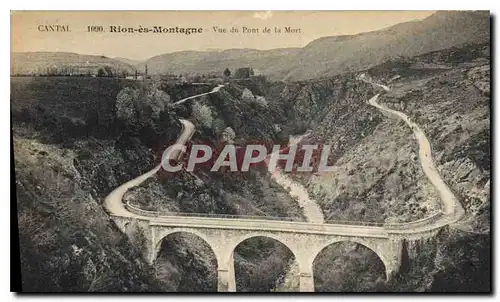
(305, 240)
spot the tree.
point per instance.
(247, 95)
(228, 135)
(243, 73)
(203, 115)
(101, 73)
(260, 100)
(141, 107)
(156, 99)
(109, 71)
(218, 126)
(227, 73)
(126, 107)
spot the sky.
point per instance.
(29, 31)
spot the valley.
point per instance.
(409, 127)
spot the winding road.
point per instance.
(216, 89)
(452, 210)
(113, 202)
(450, 204)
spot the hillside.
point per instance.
(334, 55)
(128, 61)
(378, 176)
(65, 161)
(201, 62)
(43, 63)
(451, 100)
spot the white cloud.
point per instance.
(263, 15)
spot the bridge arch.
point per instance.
(372, 246)
(200, 253)
(244, 237)
(278, 254)
(164, 233)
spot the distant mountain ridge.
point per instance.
(203, 62)
(128, 61)
(439, 31)
(329, 56)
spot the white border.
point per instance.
(253, 5)
(196, 5)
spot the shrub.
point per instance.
(260, 100)
(218, 126)
(135, 107)
(100, 73)
(203, 115)
(157, 99)
(228, 135)
(247, 96)
(243, 73)
(126, 101)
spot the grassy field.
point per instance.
(64, 108)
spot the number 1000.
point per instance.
(95, 29)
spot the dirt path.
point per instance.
(450, 205)
(312, 211)
(113, 202)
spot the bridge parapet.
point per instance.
(416, 223)
(391, 226)
(354, 222)
(139, 211)
(403, 226)
(159, 214)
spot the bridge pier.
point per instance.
(226, 279)
(306, 276)
(392, 253)
(389, 274)
(306, 282)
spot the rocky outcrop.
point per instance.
(67, 241)
(454, 113)
(388, 185)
